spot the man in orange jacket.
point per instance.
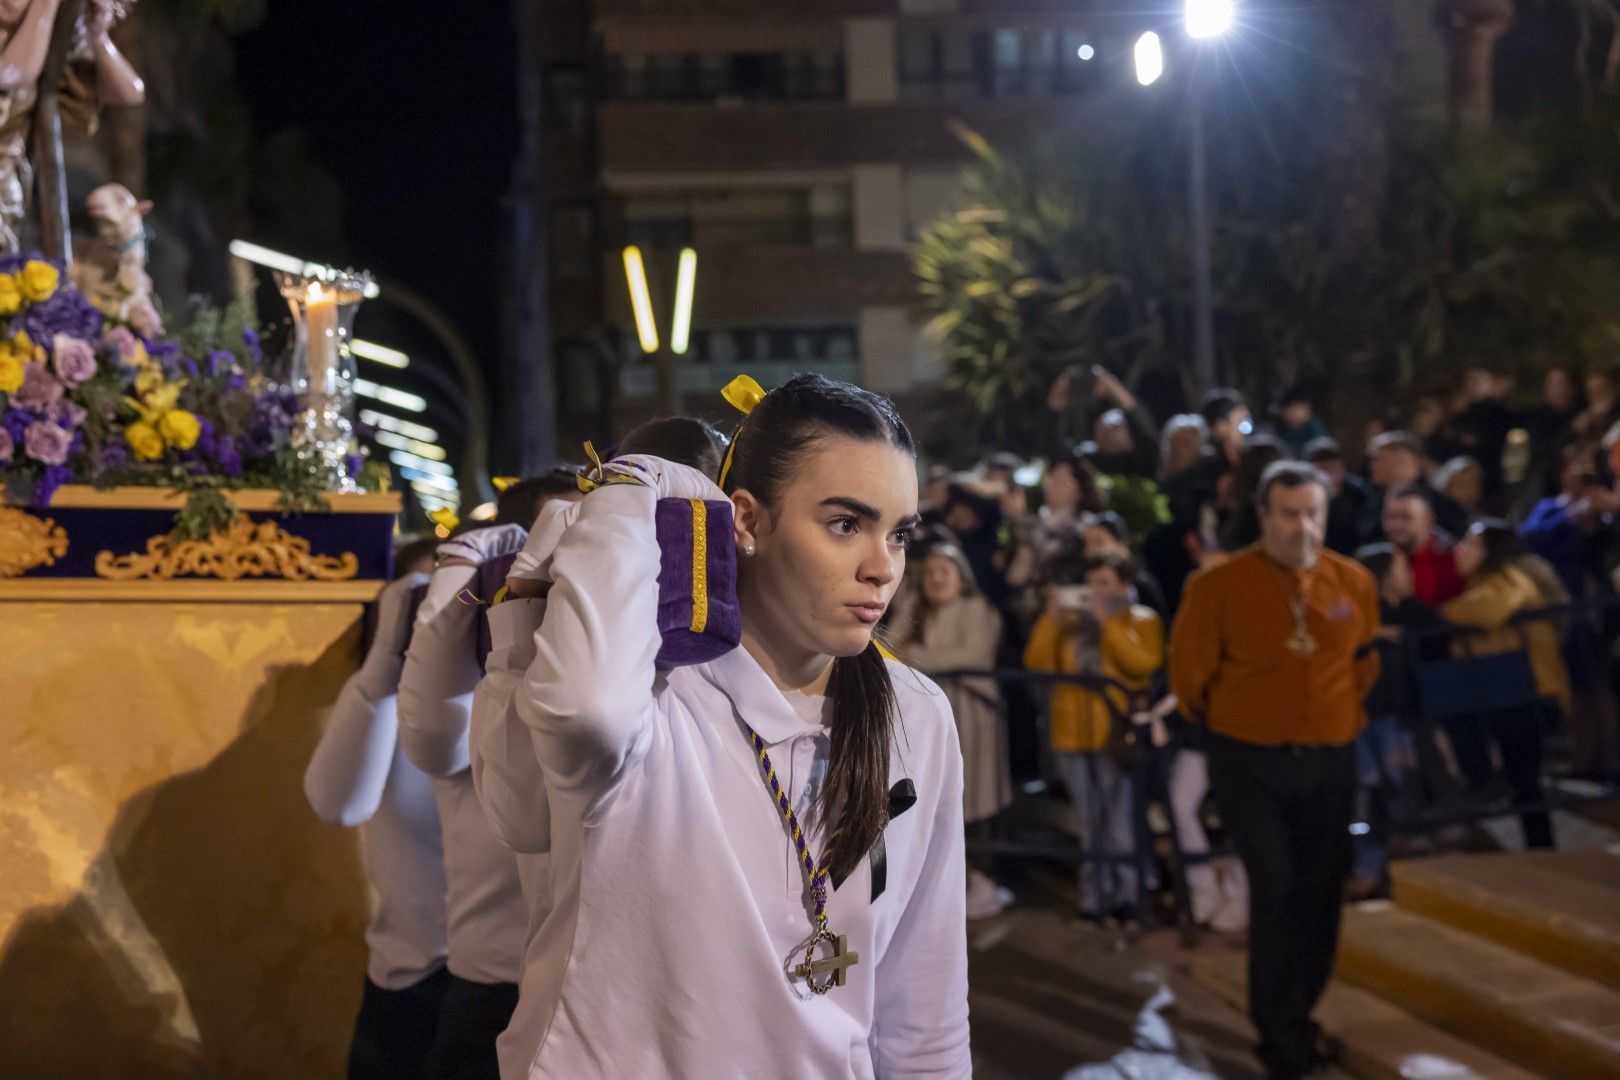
(1272, 652)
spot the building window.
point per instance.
(742, 345)
(714, 77)
(814, 217)
(954, 64)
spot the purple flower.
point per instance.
(163, 349)
(39, 390)
(51, 479)
(205, 437)
(7, 447)
(46, 442)
(16, 423)
(251, 339)
(188, 367)
(114, 455)
(219, 362)
(75, 359)
(229, 458)
(352, 464)
(66, 312)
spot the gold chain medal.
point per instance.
(820, 973)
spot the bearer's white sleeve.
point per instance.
(441, 671)
(506, 773)
(587, 698)
(346, 775)
(920, 1026)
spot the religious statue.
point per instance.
(96, 73)
(111, 270)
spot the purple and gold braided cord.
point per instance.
(816, 875)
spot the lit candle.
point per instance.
(320, 334)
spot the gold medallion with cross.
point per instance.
(830, 969)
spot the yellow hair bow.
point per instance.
(744, 395)
(501, 483)
(445, 518)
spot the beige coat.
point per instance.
(964, 635)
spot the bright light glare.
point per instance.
(414, 446)
(680, 327)
(410, 465)
(394, 423)
(399, 399)
(381, 354)
(635, 275)
(1208, 18)
(1149, 58)
(290, 264)
(1086, 52)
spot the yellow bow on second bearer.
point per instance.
(445, 518)
(501, 483)
(744, 395)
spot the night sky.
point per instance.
(410, 105)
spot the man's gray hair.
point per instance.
(1290, 474)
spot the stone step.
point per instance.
(1560, 907)
(1540, 1016)
(1381, 1042)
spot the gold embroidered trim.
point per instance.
(700, 566)
(247, 549)
(27, 541)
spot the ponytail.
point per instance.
(855, 797)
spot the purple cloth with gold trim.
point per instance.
(698, 616)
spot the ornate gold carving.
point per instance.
(27, 541)
(246, 549)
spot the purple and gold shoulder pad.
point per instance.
(698, 615)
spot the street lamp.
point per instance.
(1149, 56)
(1208, 18)
(1205, 20)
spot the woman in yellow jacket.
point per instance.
(1097, 631)
(1491, 558)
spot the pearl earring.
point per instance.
(748, 550)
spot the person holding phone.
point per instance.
(1093, 626)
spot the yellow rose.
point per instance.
(144, 441)
(179, 429)
(24, 347)
(10, 294)
(11, 372)
(164, 397)
(38, 280)
(147, 380)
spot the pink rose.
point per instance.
(67, 413)
(46, 442)
(39, 391)
(75, 359)
(121, 339)
(6, 446)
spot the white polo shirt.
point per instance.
(488, 915)
(359, 776)
(675, 895)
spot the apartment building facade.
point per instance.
(797, 149)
